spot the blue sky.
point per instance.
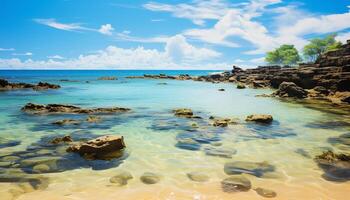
(121, 34)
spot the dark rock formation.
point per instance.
(236, 183)
(254, 168)
(103, 148)
(290, 89)
(335, 166)
(5, 85)
(64, 139)
(183, 112)
(60, 108)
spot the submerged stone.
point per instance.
(121, 178)
(265, 192)
(236, 183)
(265, 119)
(66, 122)
(64, 139)
(303, 153)
(335, 166)
(93, 119)
(242, 167)
(220, 152)
(198, 176)
(188, 144)
(8, 143)
(41, 168)
(150, 178)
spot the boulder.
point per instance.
(102, 148)
(224, 122)
(221, 90)
(93, 119)
(121, 178)
(290, 89)
(64, 139)
(236, 183)
(265, 119)
(265, 192)
(150, 178)
(61, 108)
(183, 112)
(198, 176)
(240, 86)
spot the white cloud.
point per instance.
(56, 57)
(343, 37)
(135, 58)
(197, 11)
(23, 54)
(7, 49)
(106, 29)
(54, 24)
(179, 49)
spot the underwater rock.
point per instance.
(162, 83)
(198, 176)
(219, 152)
(107, 78)
(221, 89)
(343, 139)
(335, 166)
(60, 108)
(188, 144)
(265, 119)
(66, 122)
(183, 112)
(8, 143)
(36, 181)
(121, 178)
(47, 160)
(265, 192)
(242, 167)
(290, 89)
(303, 153)
(236, 183)
(150, 178)
(64, 139)
(93, 119)
(240, 86)
(223, 122)
(104, 148)
(10, 158)
(41, 168)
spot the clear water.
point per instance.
(151, 132)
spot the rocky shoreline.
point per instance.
(5, 85)
(326, 79)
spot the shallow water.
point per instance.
(151, 132)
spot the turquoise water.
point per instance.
(152, 133)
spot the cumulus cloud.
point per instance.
(134, 58)
(106, 29)
(179, 49)
(343, 37)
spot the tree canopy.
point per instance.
(318, 46)
(284, 55)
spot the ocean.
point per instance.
(155, 138)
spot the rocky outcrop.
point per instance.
(61, 108)
(290, 89)
(5, 85)
(183, 112)
(101, 148)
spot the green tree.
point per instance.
(284, 55)
(318, 46)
